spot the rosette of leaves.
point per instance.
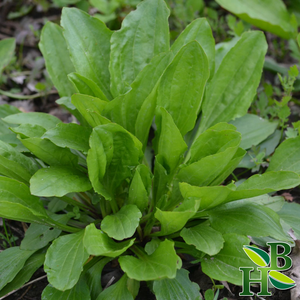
(100, 189)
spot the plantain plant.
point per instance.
(102, 189)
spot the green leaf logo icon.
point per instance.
(281, 281)
(258, 256)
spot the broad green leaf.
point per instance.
(180, 90)
(98, 243)
(88, 43)
(222, 49)
(12, 261)
(286, 156)
(179, 288)
(86, 86)
(58, 181)
(211, 167)
(93, 277)
(29, 130)
(140, 186)
(213, 141)
(125, 109)
(231, 166)
(57, 59)
(225, 265)
(281, 281)
(254, 129)
(168, 141)
(38, 236)
(34, 118)
(50, 153)
(65, 259)
(90, 108)
(14, 164)
(290, 213)
(204, 238)
(254, 220)
(79, 291)
(113, 151)
(55, 205)
(16, 202)
(210, 196)
(143, 35)
(7, 49)
(258, 256)
(122, 225)
(234, 85)
(69, 135)
(162, 263)
(200, 31)
(117, 291)
(266, 183)
(172, 221)
(31, 265)
(269, 15)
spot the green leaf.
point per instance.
(29, 130)
(93, 277)
(34, 118)
(124, 110)
(7, 49)
(113, 151)
(168, 141)
(162, 263)
(58, 181)
(6, 110)
(16, 203)
(179, 288)
(117, 291)
(90, 108)
(122, 224)
(254, 129)
(98, 243)
(189, 70)
(204, 238)
(248, 219)
(69, 135)
(140, 187)
(234, 85)
(50, 153)
(143, 35)
(15, 165)
(290, 213)
(88, 42)
(281, 281)
(65, 259)
(211, 166)
(38, 236)
(79, 291)
(57, 59)
(200, 31)
(86, 86)
(12, 261)
(286, 156)
(266, 183)
(268, 15)
(172, 221)
(258, 256)
(225, 265)
(31, 265)
(210, 196)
